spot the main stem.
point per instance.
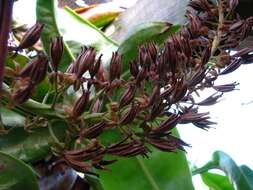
(5, 25)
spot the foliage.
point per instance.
(83, 102)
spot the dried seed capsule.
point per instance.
(39, 70)
(128, 96)
(235, 64)
(155, 95)
(130, 115)
(31, 36)
(56, 50)
(36, 69)
(210, 100)
(85, 59)
(167, 125)
(134, 69)
(22, 91)
(93, 70)
(80, 104)
(233, 4)
(93, 131)
(115, 67)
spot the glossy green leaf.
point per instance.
(248, 173)
(235, 173)
(150, 32)
(147, 11)
(30, 146)
(159, 172)
(216, 181)
(11, 118)
(16, 175)
(75, 30)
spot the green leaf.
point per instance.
(11, 118)
(147, 11)
(159, 172)
(248, 173)
(150, 32)
(15, 174)
(76, 32)
(216, 181)
(31, 146)
(235, 173)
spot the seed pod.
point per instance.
(226, 87)
(134, 69)
(93, 131)
(154, 96)
(23, 90)
(31, 36)
(93, 70)
(80, 104)
(141, 75)
(85, 59)
(115, 66)
(167, 125)
(130, 115)
(152, 49)
(233, 4)
(128, 96)
(97, 107)
(235, 64)
(36, 69)
(210, 100)
(39, 70)
(56, 50)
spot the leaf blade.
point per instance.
(14, 174)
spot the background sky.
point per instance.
(234, 114)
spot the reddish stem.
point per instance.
(5, 24)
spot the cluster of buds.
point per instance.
(159, 93)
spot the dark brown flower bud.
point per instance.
(84, 61)
(152, 49)
(236, 26)
(80, 104)
(197, 78)
(97, 107)
(210, 100)
(115, 66)
(93, 70)
(226, 87)
(194, 23)
(141, 75)
(206, 55)
(233, 4)
(154, 96)
(130, 115)
(157, 109)
(36, 69)
(22, 91)
(134, 69)
(169, 144)
(130, 149)
(235, 64)
(56, 50)
(145, 58)
(39, 70)
(128, 96)
(167, 125)
(31, 36)
(93, 131)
